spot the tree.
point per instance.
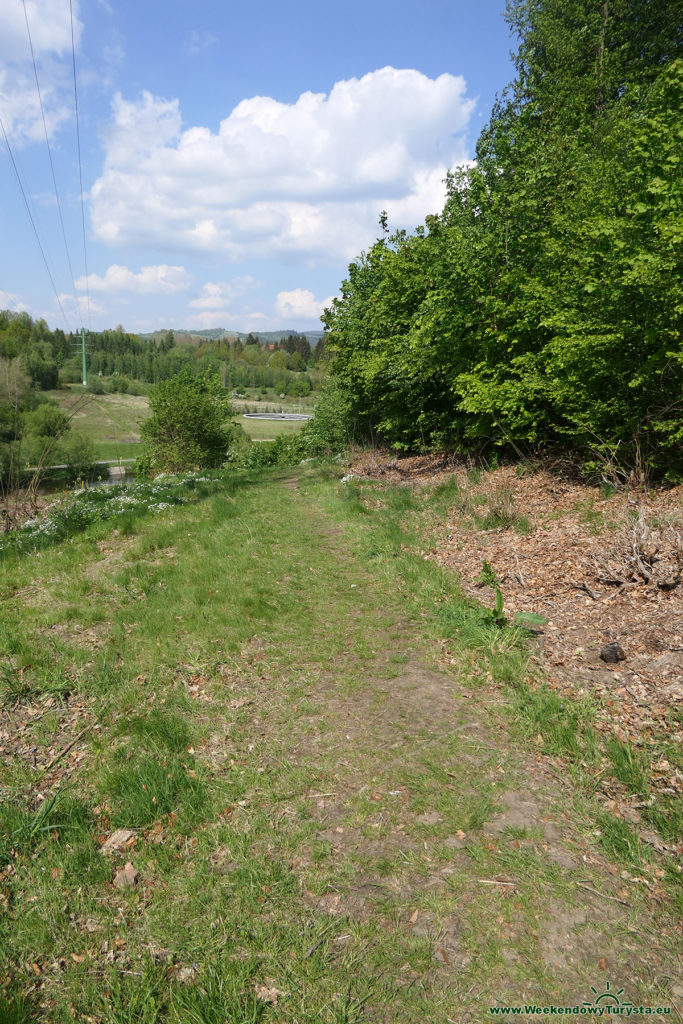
(544, 305)
(278, 361)
(189, 426)
(295, 362)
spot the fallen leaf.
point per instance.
(267, 995)
(116, 840)
(128, 876)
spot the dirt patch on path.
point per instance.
(432, 828)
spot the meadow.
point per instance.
(113, 421)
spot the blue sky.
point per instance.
(235, 157)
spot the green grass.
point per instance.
(115, 450)
(273, 678)
(629, 766)
(112, 422)
(268, 430)
(104, 418)
(152, 786)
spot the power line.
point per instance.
(33, 223)
(80, 166)
(52, 166)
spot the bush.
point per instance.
(329, 431)
(47, 420)
(79, 455)
(117, 383)
(189, 426)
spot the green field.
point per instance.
(113, 421)
(271, 402)
(267, 430)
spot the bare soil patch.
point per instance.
(598, 567)
(49, 735)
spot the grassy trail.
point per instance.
(330, 817)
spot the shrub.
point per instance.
(329, 431)
(79, 455)
(95, 386)
(189, 426)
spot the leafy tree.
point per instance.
(189, 426)
(47, 420)
(79, 455)
(543, 306)
(278, 361)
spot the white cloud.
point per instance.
(300, 304)
(208, 319)
(67, 312)
(160, 279)
(50, 27)
(49, 23)
(77, 306)
(9, 300)
(198, 41)
(221, 294)
(306, 179)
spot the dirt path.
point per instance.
(323, 823)
(434, 828)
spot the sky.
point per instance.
(235, 158)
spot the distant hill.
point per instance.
(219, 333)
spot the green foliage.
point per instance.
(47, 420)
(328, 432)
(79, 455)
(497, 612)
(528, 619)
(35, 432)
(189, 426)
(488, 575)
(95, 386)
(544, 305)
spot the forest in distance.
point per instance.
(538, 312)
(36, 363)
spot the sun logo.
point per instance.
(606, 998)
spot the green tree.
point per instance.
(189, 426)
(544, 305)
